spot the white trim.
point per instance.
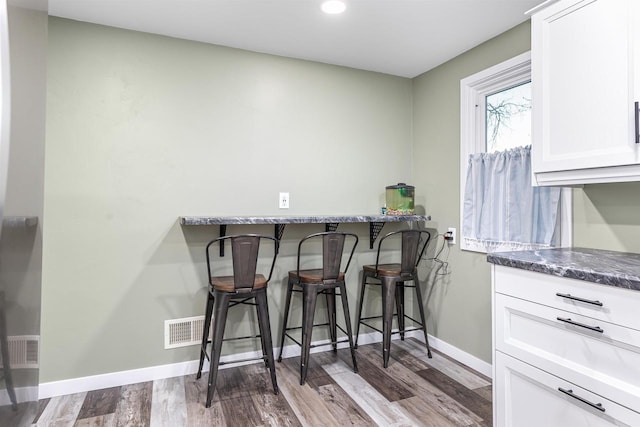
(566, 218)
(494, 394)
(5, 103)
(454, 352)
(473, 89)
(577, 177)
(539, 7)
(23, 394)
(114, 379)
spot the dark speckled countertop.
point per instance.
(611, 268)
(298, 219)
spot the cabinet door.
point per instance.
(607, 303)
(597, 355)
(583, 85)
(525, 396)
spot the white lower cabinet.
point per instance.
(566, 351)
(530, 397)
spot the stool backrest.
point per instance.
(411, 249)
(244, 254)
(333, 249)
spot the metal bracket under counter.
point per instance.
(331, 222)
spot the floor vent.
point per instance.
(23, 351)
(183, 332)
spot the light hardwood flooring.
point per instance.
(412, 391)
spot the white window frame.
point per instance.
(473, 91)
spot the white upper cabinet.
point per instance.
(586, 80)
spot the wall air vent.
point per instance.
(183, 332)
(24, 351)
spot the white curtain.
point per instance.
(502, 210)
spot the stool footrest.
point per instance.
(291, 328)
(244, 301)
(406, 316)
(241, 338)
(370, 326)
(392, 332)
(329, 343)
(206, 355)
(244, 360)
(316, 345)
(405, 330)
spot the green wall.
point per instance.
(460, 303)
(606, 216)
(142, 129)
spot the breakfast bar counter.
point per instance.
(376, 222)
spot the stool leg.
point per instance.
(205, 332)
(265, 330)
(400, 307)
(330, 294)
(362, 286)
(347, 322)
(261, 325)
(388, 294)
(283, 328)
(309, 296)
(219, 321)
(424, 321)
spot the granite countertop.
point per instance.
(611, 268)
(300, 219)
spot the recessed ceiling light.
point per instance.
(333, 7)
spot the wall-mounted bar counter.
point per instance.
(376, 222)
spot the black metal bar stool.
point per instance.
(392, 279)
(324, 280)
(228, 291)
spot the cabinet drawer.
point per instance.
(529, 397)
(601, 356)
(618, 305)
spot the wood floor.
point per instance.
(412, 391)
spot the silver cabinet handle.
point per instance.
(571, 297)
(582, 325)
(570, 393)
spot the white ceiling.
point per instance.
(398, 37)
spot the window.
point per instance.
(508, 118)
(496, 116)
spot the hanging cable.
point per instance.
(442, 264)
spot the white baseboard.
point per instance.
(455, 353)
(23, 394)
(114, 379)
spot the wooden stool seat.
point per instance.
(227, 283)
(384, 269)
(311, 276)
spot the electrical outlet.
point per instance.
(283, 201)
(452, 241)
